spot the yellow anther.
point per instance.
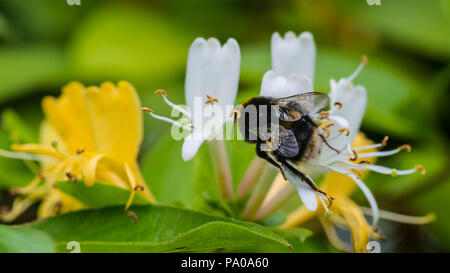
(80, 151)
(355, 155)
(146, 109)
(364, 59)
(161, 91)
(324, 115)
(211, 100)
(71, 177)
(384, 142)
(134, 215)
(236, 112)
(338, 104)
(406, 147)
(346, 130)
(364, 161)
(357, 172)
(421, 169)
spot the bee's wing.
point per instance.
(294, 107)
(286, 142)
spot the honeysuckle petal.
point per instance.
(213, 70)
(280, 86)
(353, 99)
(294, 54)
(113, 109)
(71, 107)
(191, 145)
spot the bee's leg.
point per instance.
(309, 181)
(270, 158)
(328, 144)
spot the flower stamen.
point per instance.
(176, 123)
(338, 104)
(364, 61)
(134, 215)
(421, 169)
(211, 100)
(71, 177)
(139, 188)
(346, 130)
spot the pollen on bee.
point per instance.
(406, 147)
(146, 109)
(421, 169)
(139, 187)
(161, 91)
(346, 130)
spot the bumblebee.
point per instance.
(284, 133)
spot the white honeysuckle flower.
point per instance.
(212, 78)
(349, 104)
(293, 64)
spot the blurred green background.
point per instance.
(46, 43)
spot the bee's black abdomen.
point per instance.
(304, 132)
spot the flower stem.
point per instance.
(269, 206)
(221, 167)
(251, 176)
(263, 185)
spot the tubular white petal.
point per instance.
(280, 86)
(369, 196)
(306, 193)
(191, 145)
(294, 55)
(213, 70)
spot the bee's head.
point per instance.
(254, 116)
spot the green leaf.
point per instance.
(24, 240)
(13, 172)
(127, 42)
(417, 24)
(24, 68)
(158, 229)
(168, 176)
(16, 126)
(99, 195)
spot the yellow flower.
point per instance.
(88, 134)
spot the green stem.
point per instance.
(251, 176)
(221, 167)
(275, 202)
(262, 187)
